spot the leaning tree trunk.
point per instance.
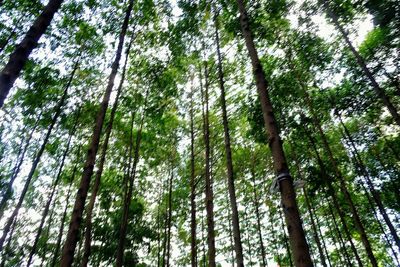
(22, 51)
(361, 62)
(228, 152)
(15, 171)
(169, 218)
(209, 199)
(53, 190)
(63, 218)
(342, 183)
(298, 243)
(375, 194)
(332, 193)
(96, 186)
(38, 156)
(67, 257)
(256, 204)
(129, 192)
(193, 225)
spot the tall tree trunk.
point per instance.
(67, 257)
(375, 194)
(62, 223)
(341, 240)
(228, 154)
(129, 193)
(298, 243)
(332, 193)
(209, 199)
(310, 211)
(169, 217)
(14, 174)
(258, 216)
(193, 225)
(99, 172)
(321, 235)
(361, 62)
(38, 156)
(314, 227)
(342, 183)
(53, 190)
(22, 51)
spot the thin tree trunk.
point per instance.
(298, 243)
(193, 225)
(7, 246)
(332, 193)
(209, 199)
(67, 257)
(169, 218)
(22, 51)
(129, 193)
(371, 187)
(342, 184)
(322, 237)
(341, 240)
(314, 227)
(310, 211)
(258, 217)
(361, 62)
(62, 223)
(38, 156)
(14, 174)
(228, 154)
(53, 190)
(99, 172)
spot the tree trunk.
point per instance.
(332, 193)
(314, 227)
(22, 51)
(99, 172)
(310, 211)
(67, 257)
(342, 183)
(375, 194)
(341, 240)
(298, 243)
(62, 223)
(129, 193)
(209, 199)
(169, 218)
(228, 154)
(38, 156)
(361, 62)
(14, 174)
(258, 216)
(193, 225)
(53, 190)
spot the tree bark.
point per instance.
(332, 193)
(129, 193)
(14, 174)
(342, 183)
(361, 62)
(99, 172)
(169, 218)
(67, 257)
(193, 224)
(209, 199)
(53, 190)
(22, 51)
(62, 223)
(258, 216)
(228, 155)
(298, 243)
(38, 156)
(375, 194)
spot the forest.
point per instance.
(200, 133)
